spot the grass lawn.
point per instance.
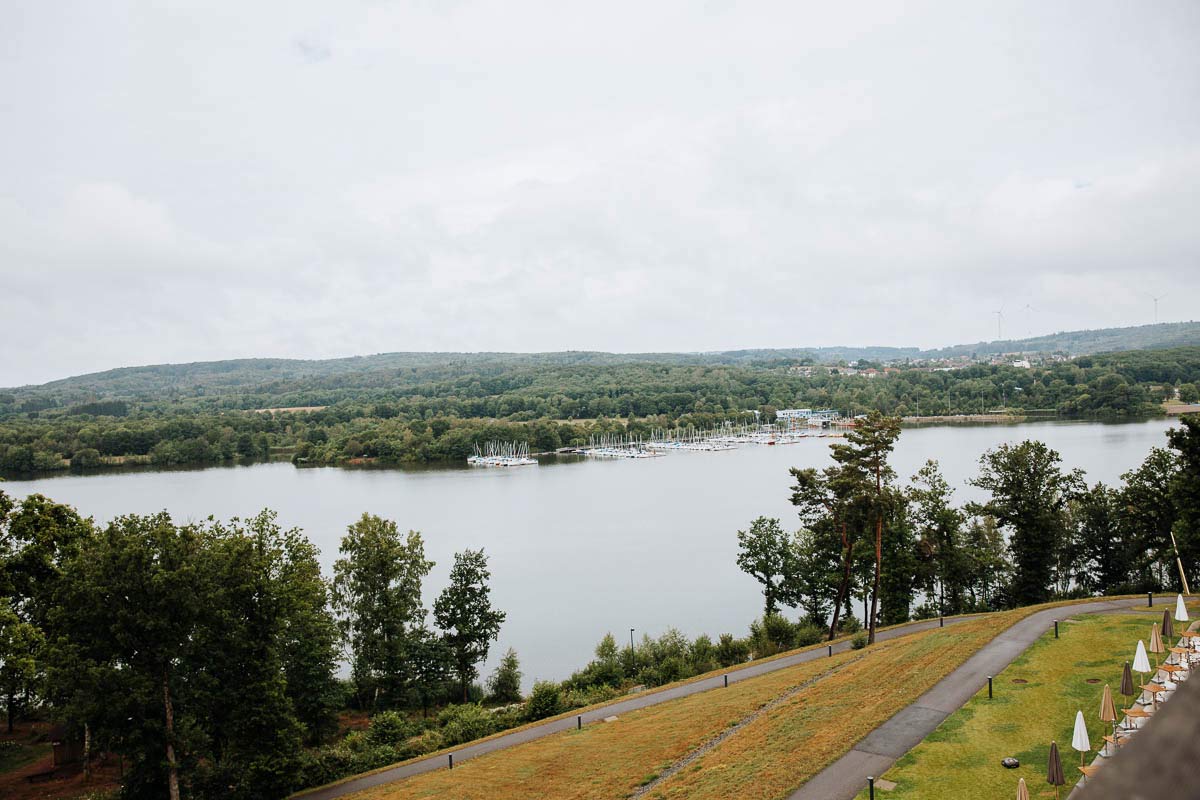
(961, 759)
(778, 752)
(767, 758)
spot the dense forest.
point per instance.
(439, 408)
(206, 654)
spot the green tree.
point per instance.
(377, 594)
(132, 604)
(20, 646)
(1147, 509)
(1185, 491)
(816, 574)
(987, 564)
(939, 528)
(431, 664)
(464, 612)
(505, 681)
(1029, 493)
(1104, 552)
(37, 537)
(765, 553)
(833, 500)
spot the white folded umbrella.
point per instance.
(1079, 740)
(1140, 662)
(1180, 609)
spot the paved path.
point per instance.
(844, 778)
(751, 670)
(875, 754)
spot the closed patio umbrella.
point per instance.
(1141, 664)
(1022, 790)
(1156, 645)
(1079, 739)
(1054, 770)
(1168, 628)
(1180, 609)
(1127, 683)
(1108, 711)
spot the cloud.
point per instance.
(484, 176)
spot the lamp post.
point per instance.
(632, 664)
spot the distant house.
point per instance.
(1022, 363)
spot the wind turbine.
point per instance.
(1155, 299)
(999, 322)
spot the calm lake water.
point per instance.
(584, 547)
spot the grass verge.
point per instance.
(961, 759)
(768, 758)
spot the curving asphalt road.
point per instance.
(467, 752)
(875, 754)
(841, 780)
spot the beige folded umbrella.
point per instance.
(1022, 790)
(1108, 711)
(1156, 645)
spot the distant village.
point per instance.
(868, 369)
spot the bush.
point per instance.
(465, 723)
(849, 624)
(544, 701)
(505, 682)
(578, 698)
(859, 641)
(87, 457)
(805, 634)
(391, 728)
(731, 651)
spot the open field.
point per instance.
(961, 759)
(843, 698)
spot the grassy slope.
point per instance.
(768, 758)
(961, 759)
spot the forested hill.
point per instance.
(1102, 340)
(276, 377)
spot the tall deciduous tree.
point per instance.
(136, 598)
(20, 647)
(1147, 506)
(987, 564)
(464, 611)
(1103, 549)
(1029, 493)
(1185, 490)
(939, 526)
(377, 593)
(765, 552)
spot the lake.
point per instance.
(581, 547)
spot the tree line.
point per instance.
(206, 654)
(439, 412)
(909, 551)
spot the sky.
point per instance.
(187, 181)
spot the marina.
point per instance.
(502, 454)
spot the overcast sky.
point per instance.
(191, 181)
